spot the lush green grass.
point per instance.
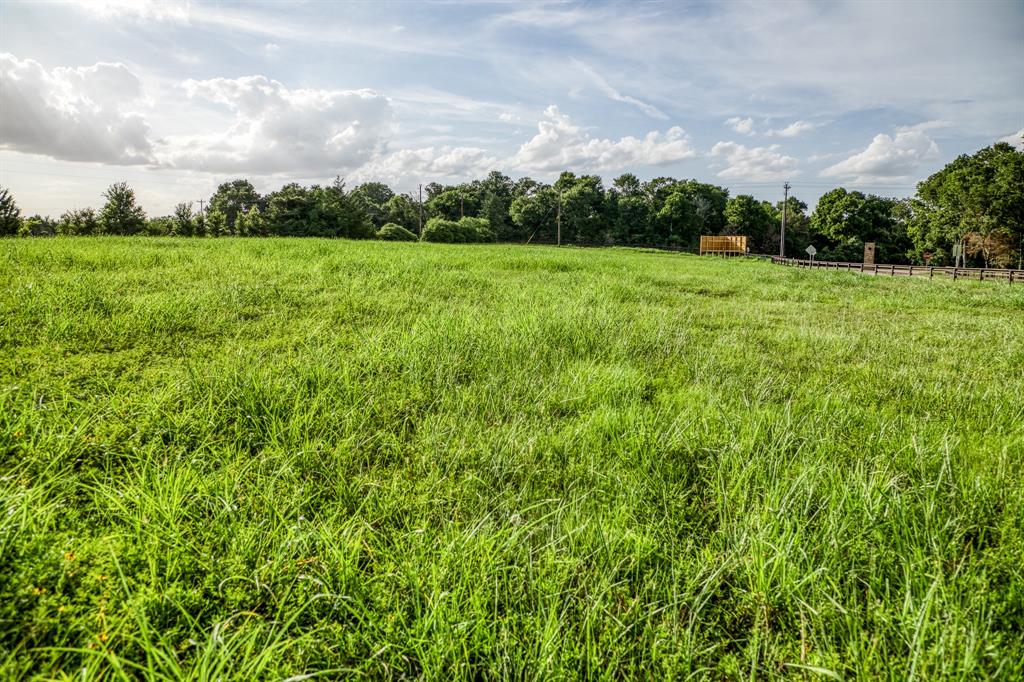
(260, 459)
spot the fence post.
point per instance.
(981, 275)
(954, 273)
(892, 270)
(931, 272)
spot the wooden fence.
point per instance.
(979, 274)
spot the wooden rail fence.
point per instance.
(979, 274)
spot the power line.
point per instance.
(785, 206)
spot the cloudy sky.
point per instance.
(177, 96)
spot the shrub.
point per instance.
(476, 229)
(441, 230)
(392, 232)
(465, 230)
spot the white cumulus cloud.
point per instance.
(744, 126)
(74, 114)
(754, 163)
(560, 144)
(793, 129)
(1016, 139)
(441, 163)
(887, 158)
(278, 130)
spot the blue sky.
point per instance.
(176, 97)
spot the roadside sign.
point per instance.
(811, 251)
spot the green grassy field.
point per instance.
(266, 459)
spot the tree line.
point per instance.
(976, 202)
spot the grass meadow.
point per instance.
(286, 459)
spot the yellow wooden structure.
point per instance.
(723, 245)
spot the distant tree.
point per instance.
(678, 219)
(799, 234)
(79, 222)
(633, 222)
(496, 194)
(121, 215)
(341, 214)
(402, 210)
(160, 227)
(583, 209)
(184, 220)
(453, 204)
(433, 189)
(199, 225)
(10, 214)
(627, 185)
(373, 197)
(216, 223)
(289, 210)
(533, 214)
(37, 226)
(849, 219)
(251, 223)
(981, 194)
(756, 219)
(709, 202)
(234, 198)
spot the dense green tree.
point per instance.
(37, 226)
(373, 197)
(799, 233)
(289, 210)
(709, 203)
(10, 214)
(432, 189)
(533, 214)
(633, 223)
(403, 210)
(217, 223)
(199, 225)
(161, 226)
(340, 214)
(982, 193)
(756, 219)
(233, 198)
(678, 220)
(121, 214)
(318, 211)
(849, 219)
(79, 222)
(453, 204)
(251, 223)
(627, 185)
(583, 215)
(184, 220)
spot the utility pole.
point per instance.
(785, 210)
(558, 218)
(462, 206)
(201, 205)
(421, 209)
